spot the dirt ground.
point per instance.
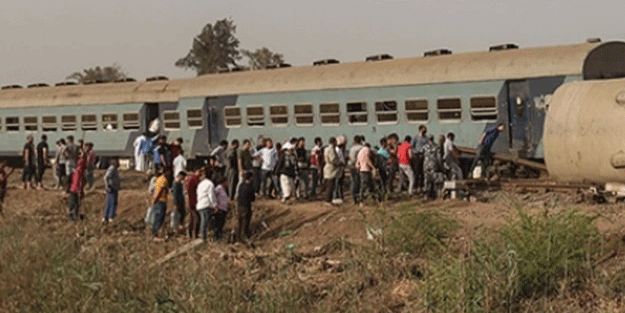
(303, 227)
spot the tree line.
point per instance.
(214, 49)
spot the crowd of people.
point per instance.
(237, 173)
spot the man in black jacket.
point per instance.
(245, 198)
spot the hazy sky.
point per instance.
(44, 41)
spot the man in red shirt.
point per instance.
(404, 156)
(194, 218)
(77, 186)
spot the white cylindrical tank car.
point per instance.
(584, 134)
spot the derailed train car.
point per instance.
(462, 93)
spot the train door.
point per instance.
(151, 113)
(518, 116)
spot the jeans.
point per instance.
(366, 185)
(233, 181)
(89, 176)
(74, 205)
(484, 155)
(355, 184)
(110, 208)
(194, 222)
(406, 170)
(159, 216)
(264, 186)
(303, 183)
(315, 182)
(204, 221)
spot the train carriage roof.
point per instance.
(462, 67)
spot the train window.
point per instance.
(416, 110)
(255, 115)
(329, 113)
(30, 123)
(171, 119)
(194, 118)
(484, 108)
(303, 114)
(279, 115)
(48, 123)
(68, 122)
(233, 116)
(13, 124)
(386, 112)
(357, 112)
(109, 121)
(89, 122)
(131, 121)
(449, 109)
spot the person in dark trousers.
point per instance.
(28, 153)
(76, 188)
(205, 201)
(91, 159)
(111, 185)
(417, 144)
(42, 160)
(4, 177)
(179, 203)
(159, 200)
(232, 168)
(485, 144)
(194, 218)
(245, 199)
(221, 209)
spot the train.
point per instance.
(462, 93)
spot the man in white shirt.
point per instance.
(219, 154)
(180, 163)
(206, 201)
(450, 157)
(268, 157)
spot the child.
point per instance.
(244, 207)
(4, 176)
(76, 187)
(221, 209)
(178, 213)
(111, 185)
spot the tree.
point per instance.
(213, 49)
(262, 58)
(99, 74)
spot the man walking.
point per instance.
(42, 160)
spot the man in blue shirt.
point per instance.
(485, 144)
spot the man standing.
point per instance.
(341, 143)
(112, 186)
(432, 168)
(316, 165)
(76, 188)
(245, 198)
(330, 170)
(219, 154)
(42, 160)
(140, 160)
(90, 164)
(450, 157)
(244, 162)
(28, 153)
(159, 201)
(71, 156)
(303, 165)
(393, 167)
(417, 144)
(404, 157)
(232, 168)
(180, 163)
(269, 157)
(206, 201)
(161, 153)
(287, 169)
(353, 171)
(485, 144)
(194, 217)
(366, 169)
